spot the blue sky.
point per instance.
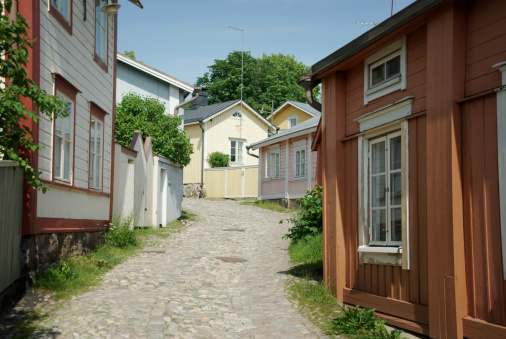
(183, 38)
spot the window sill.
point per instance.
(298, 179)
(272, 179)
(100, 62)
(383, 84)
(380, 255)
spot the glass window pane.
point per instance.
(297, 157)
(66, 160)
(395, 153)
(396, 224)
(393, 67)
(65, 9)
(395, 189)
(379, 232)
(92, 167)
(98, 172)
(239, 151)
(277, 165)
(378, 191)
(98, 148)
(57, 156)
(378, 157)
(378, 74)
(58, 126)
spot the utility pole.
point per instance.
(242, 58)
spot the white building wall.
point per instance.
(71, 56)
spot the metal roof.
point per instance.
(389, 25)
(203, 113)
(306, 126)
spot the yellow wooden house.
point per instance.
(292, 113)
(227, 128)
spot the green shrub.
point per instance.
(57, 277)
(308, 220)
(120, 233)
(217, 159)
(364, 324)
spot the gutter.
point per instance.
(253, 155)
(308, 84)
(197, 92)
(202, 169)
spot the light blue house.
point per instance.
(138, 77)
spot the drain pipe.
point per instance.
(308, 84)
(196, 91)
(202, 171)
(253, 155)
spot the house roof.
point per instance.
(305, 127)
(156, 73)
(204, 113)
(386, 27)
(300, 105)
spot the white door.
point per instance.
(162, 198)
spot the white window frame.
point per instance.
(370, 252)
(296, 117)
(397, 49)
(96, 153)
(388, 206)
(236, 115)
(100, 27)
(57, 5)
(299, 147)
(274, 162)
(68, 120)
(239, 161)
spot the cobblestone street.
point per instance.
(186, 292)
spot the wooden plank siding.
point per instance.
(481, 213)
(384, 280)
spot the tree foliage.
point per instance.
(130, 54)
(218, 159)
(271, 77)
(146, 114)
(15, 87)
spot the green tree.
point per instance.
(15, 87)
(130, 54)
(146, 114)
(271, 77)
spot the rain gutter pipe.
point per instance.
(196, 91)
(202, 171)
(253, 155)
(308, 84)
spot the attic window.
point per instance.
(385, 71)
(237, 115)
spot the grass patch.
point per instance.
(272, 205)
(362, 323)
(185, 215)
(315, 301)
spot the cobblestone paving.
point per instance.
(186, 292)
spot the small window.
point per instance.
(292, 121)
(100, 34)
(300, 163)
(236, 151)
(62, 12)
(237, 115)
(274, 164)
(96, 149)
(63, 140)
(385, 71)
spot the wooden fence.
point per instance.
(231, 182)
(11, 203)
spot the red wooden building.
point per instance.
(412, 153)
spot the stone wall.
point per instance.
(193, 191)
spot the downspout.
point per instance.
(253, 155)
(196, 92)
(202, 171)
(308, 84)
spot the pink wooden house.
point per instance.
(287, 164)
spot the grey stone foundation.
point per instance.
(193, 191)
(40, 252)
